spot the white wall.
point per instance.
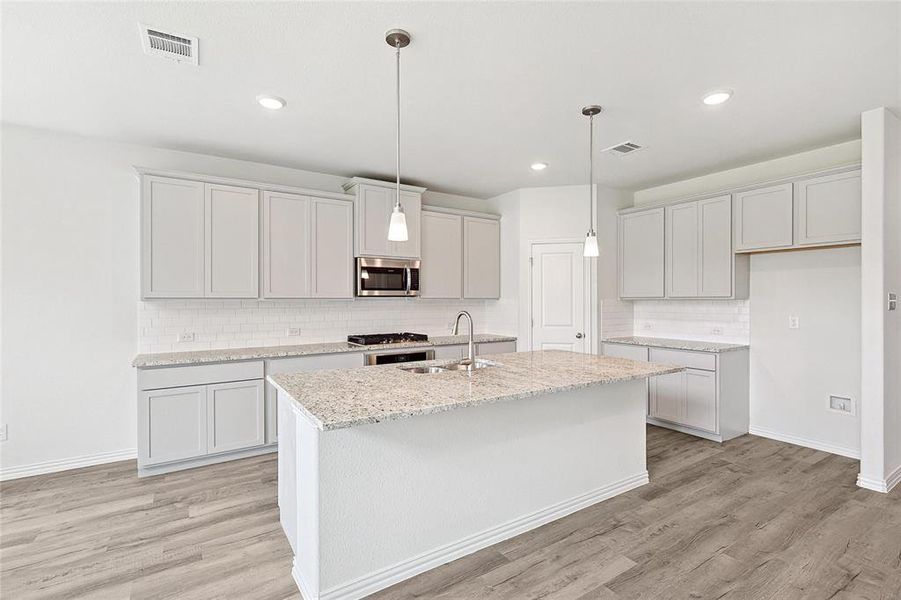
(880, 465)
(70, 289)
(558, 213)
(793, 371)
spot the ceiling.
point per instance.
(488, 88)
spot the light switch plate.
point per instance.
(292, 331)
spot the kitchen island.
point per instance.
(385, 473)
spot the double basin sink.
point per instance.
(463, 365)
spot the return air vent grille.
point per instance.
(169, 45)
(624, 148)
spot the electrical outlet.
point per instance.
(3, 433)
(292, 331)
(717, 331)
(648, 326)
(842, 404)
(186, 336)
(794, 322)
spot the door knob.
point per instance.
(579, 336)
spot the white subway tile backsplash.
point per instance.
(712, 320)
(242, 323)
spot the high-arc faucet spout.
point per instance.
(471, 356)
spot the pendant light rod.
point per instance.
(591, 240)
(397, 227)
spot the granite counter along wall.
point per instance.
(242, 323)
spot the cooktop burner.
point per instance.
(370, 339)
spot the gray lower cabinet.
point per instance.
(172, 424)
(194, 415)
(235, 418)
(710, 398)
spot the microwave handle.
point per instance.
(408, 275)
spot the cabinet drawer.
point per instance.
(683, 358)
(495, 347)
(154, 379)
(626, 351)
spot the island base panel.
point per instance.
(366, 507)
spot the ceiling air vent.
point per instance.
(624, 148)
(166, 44)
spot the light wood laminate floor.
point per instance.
(751, 518)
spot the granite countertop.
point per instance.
(339, 398)
(198, 357)
(676, 344)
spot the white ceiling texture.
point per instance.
(488, 88)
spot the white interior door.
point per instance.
(559, 273)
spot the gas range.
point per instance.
(371, 339)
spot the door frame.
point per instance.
(589, 300)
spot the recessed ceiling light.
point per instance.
(271, 102)
(717, 97)
(539, 166)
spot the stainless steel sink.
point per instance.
(424, 369)
(470, 366)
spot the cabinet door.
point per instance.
(373, 209)
(450, 352)
(172, 424)
(682, 237)
(333, 262)
(286, 245)
(495, 347)
(232, 242)
(171, 238)
(667, 397)
(641, 243)
(481, 258)
(763, 218)
(639, 353)
(441, 275)
(715, 247)
(827, 209)
(235, 416)
(412, 205)
(700, 399)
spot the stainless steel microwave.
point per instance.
(387, 277)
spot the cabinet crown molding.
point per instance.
(355, 181)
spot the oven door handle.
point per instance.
(408, 275)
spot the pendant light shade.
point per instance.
(591, 245)
(591, 239)
(397, 226)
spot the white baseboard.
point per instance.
(54, 466)
(306, 592)
(880, 485)
(806, 442)
(379, 580)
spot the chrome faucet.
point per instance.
(471, 358)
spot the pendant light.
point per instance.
(591, 238)
(397, 226)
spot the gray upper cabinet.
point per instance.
(682, 250)
(481, 257)
(827, 209)
(373, 206)
(198, 239)
(717, 277)
(307, 247)
(763, 218)
(332, 248)
(441, 275)
(231, 242)
(286, 245)
(172, 230)
(641, 254)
